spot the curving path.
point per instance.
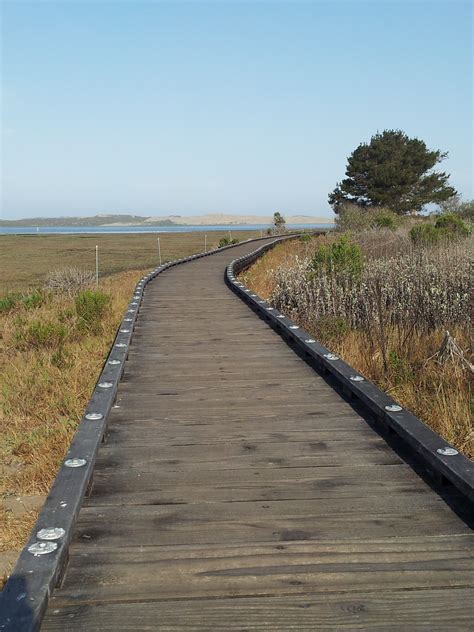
(238, 491)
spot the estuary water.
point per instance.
(68, 230)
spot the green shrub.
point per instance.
(385, 219)
(225, 241)
(452, 224)
(42, 334)
(426, 234)
(7, 303)
(34, 300)
(305, 238)
(90, 307)
(339, 257)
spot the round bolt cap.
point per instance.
(125, 331)
(42, 548)
(331, 356)
(309, 341)
(393, 408)
(356, 378)
(447, 451)
(94, 416)
(75, 462)
(105, 384)
(51, 533)
(113, 362)
(294, 327)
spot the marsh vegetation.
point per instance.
(385, 301)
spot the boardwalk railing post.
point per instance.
(159, 251)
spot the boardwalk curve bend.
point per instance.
(240, 487)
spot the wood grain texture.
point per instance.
(238, 491)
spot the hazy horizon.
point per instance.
(197, 108)
(262, 215)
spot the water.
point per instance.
(70, 230)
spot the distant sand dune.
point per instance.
(234, 220)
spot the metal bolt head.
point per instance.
(270, 309)
(125, 331)
(42, 548)
(121, 345)
(356, 378)
(294, 327)
(94, 416)
(447, 451)
(393, 408)
(128, 320)
(331, 356)
(51, 533)
(105, 384)
(113, 362)
(75, 462)
(309, 341)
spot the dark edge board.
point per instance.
(457, 469)
(25, 596)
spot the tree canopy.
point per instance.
(278, 220)
(392, 171)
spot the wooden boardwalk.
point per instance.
(237, 490)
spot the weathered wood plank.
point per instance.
(417, 611)
(268, 569)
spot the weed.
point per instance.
(7, 303)
(90, 308)
(33, 300)
(42, 334)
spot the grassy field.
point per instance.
(26, 260)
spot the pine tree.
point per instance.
(392, 171)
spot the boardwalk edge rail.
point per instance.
(43, 560)
(442, 461)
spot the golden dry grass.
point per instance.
(43, 394)
(440, 395)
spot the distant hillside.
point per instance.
(170, 220)
(96, 220)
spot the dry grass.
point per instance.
(397, 359)
(44, 389)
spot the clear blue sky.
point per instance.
(247, 107)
